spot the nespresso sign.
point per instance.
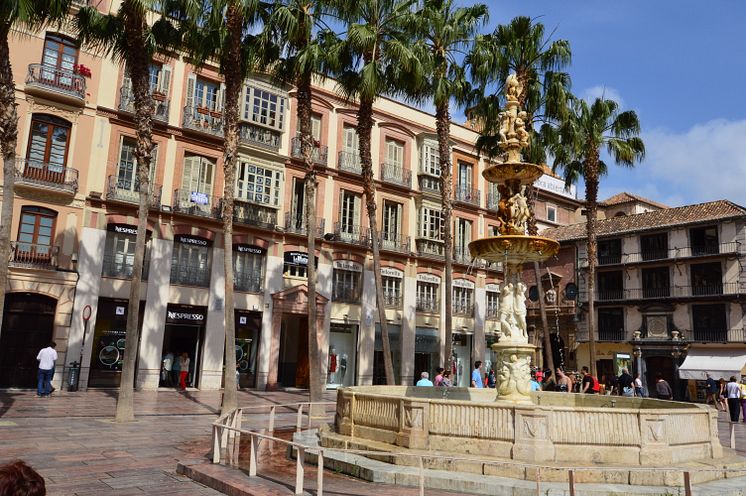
(122, 229)
(255, 250)
(191, 240)
(181, 315)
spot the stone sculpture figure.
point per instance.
(506, 311)
(511, 376)
(519, 211)
(520, 128)
(513, 88)
(519, 308)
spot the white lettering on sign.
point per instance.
(125, 229)
(199, 198)
(192, 241)
(250, 249)
(463, 283)
(299, 258)
(431, 278)
(348, 265)
(554, 185)
(391, 272)
(492, 287)
(185, 316)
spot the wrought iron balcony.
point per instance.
(46, 176)
(394, 242)
(254, 215)
(463, 194)
(429, 247)
(203, 120)
(346, 294)
(351, 233)
(611, 335)
(196, 203)
(428, 305)
(614, 258)
(247, 282)
(33, 256)
(54, 81)
(250, 134)
(463, 308)
(297, 225)
(492, 312)
(160, 104)
(705, 290)
(462, 256)
(610, 294)
(715, 335)
(182, 272)
(125, 191)
(429, 184)
(392, 300)
(396, 174)
(318, 155)
(493, 200)
(121, 266)
(350, 162)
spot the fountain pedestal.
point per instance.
(513, 374)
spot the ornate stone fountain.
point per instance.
(513, 248)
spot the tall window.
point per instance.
(492, 303)
(394, 153)
(431, 222)
(258, 184)
(264, 107)
(207, 94)
(427, 296)
(296, 264)
(465, 176)
(351, 141)
(119, 255)
(392, 292)
(49, 142)
(36, 232)
(349, 212)
(551, 213)
(127, 166)
(198, 176)
(316, 127)
(347, 287)
(190, 262)
(463, 301)
(248, 268)
(298, 207)
(392, 214)
(60, 54)
(463, 236)
(430, 161)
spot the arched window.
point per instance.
(36, 232)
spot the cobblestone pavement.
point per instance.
(73, 442)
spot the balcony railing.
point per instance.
(392, 300)
(254, 215)
(44, 175)
(715, 335)
(429, 184)
(394, 242)
(56, 80)
(345, 294)
(247, 282)
(297, 225)
(670, 253)
(203, 120)
(196, 203)
(318, 155)
(395, 174)
(429, 247)
(462, 256)
(429, 305)
(350, 162)
(351, 233)
(187, 275)
(250, 134)
(612, 259)
(463, 309)
(610, 294)
(493, 200)
(655, 254)
(33, 256)
(611, 335)
(727, 288)
(123, 190)
(160, 104)
(122, 266)
(467, 195)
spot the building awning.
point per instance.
(716, 362)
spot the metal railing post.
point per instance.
(571, 480)
(252, 455)
(687, 485)
(215, 444)
(320, 473)
(299, 419)
(271, 429)
(299, 471)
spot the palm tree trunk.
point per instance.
(233, 83)
(548, 356)
(138, 68)
(316, 369)
(442, 126)
(8, 143)
(591, 206)
(364, 129)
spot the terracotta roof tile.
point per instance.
(654, 220)
(625, 197)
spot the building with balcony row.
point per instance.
(75, 223)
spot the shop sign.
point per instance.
(556, 186)
(391, 272)
(296, 258)
(191, 240)
(463, 283)
(184, 315)
(495, 288)
(119, 310)
(256, 250)
(199, 198)
(348, 265)
(431, 278)
(122, 229)
(242, 320)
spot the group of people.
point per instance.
(727, 396)
(175, 370)
(443, 378)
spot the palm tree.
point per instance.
(522, 47)
(304, 57)
(447, 32)
(23, 15)
(222, 31)
(377, 58)
(586, 130)
(127, 37)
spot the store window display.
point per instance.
(342, 354)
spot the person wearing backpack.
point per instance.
(590, 384)
(626, 384)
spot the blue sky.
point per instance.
(682, 66)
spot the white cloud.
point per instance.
(598, 91)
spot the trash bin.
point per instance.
(73, 376)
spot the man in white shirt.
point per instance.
(46, 358)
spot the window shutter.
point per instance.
(206, 176)
(220, 97)
(153, 164)
(191, 88)
(356, 210)
(316, 127)
(164, 81)
(191, 170)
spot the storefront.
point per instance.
(462, 363)
(379, 373)
(248, 330)
(426, 351)
(342, 355)
(109, 341)
(490, 356)
(719, 363)
(185, 333)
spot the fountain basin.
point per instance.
(522, 172)
(514, 249)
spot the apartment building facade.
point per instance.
(670, 284)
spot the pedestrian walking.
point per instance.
(439, 377)
(424, 380)
(722, 397)
(491, 380)
(175, 370)
(168, 363)
(476, 375)
(639, 392)
(589, 385)
(712, 389)
(446, 382)
(742, 386)
(733, 393)
(183, 370)
(626, 384)
(535, 386)
(46, 357)
(662, 388)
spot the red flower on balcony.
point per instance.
(82, 70)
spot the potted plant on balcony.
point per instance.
(158, 96)
(82, 70)
(203, 110)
